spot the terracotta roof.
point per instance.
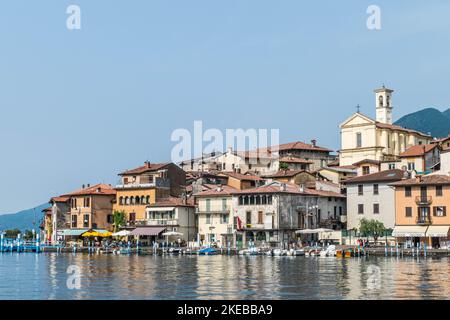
(294, 160)
(241, 176)
(382, 176)
(173, 202)
(290, 188)
(224, 191)
(284, 174)
(298, 145)
(147, 167)
(399, 128)
(424, 180)
(418, 150)
(59, 199)
(348, 169)
(367, 161)
(263, 153)
(98, 189)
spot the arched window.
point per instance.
(380, 101)
(245, 199)
(258, 199)
(252, 199)
(241, 200)
(127, 200)
(269, 200)
(147, 200)
(132, 200)
(264, 199)
(142, 199)
(138, 200)
(121, 201)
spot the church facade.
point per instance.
(365, 138)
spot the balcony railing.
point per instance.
(158, 182)
(423, 220)
(424, 200)
(213, 210)
(157, 222)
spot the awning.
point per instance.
(147, 231)
(438, 231)
(71, 232)
(409, 231)
(156, 209)
(122, 233)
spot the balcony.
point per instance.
(423, 220)
(157, 222)
(424, 200)
(145, 183)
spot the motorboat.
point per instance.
(175, 250)
(277, 252)
(330, 251)
(299, 252)
(207, 251)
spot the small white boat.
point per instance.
(299, 252)
(277, 252)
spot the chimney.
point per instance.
(88, 185)
(147, 164)
(302, 188)
(313, 142)
(82, 187)
(219, 188)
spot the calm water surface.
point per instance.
(44, 276)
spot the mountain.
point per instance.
(429, 120)
(23, 219)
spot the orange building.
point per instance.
(145, 185)
(91, 207)
(421, 206)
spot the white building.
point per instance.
(370, 197)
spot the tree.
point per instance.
(372, 228)
(119, 219)
(28, 235)
(284, 166)
(12, 233)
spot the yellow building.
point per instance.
(364, 138)
(145, 185)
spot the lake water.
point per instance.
(44, 276)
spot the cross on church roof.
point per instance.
(357, 108)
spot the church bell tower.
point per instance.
(383, 105)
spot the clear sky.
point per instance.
(80, 106)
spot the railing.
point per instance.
(423, 220)
(424, 200)
(158, 182)
(158, 222)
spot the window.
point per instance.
(127, 200)
(335, 212)
(360, 190)
(86, 202)
(110, 219)
(358, 140)
(138, 200)
(408, 212)
(147, 200)
(208, 218)
(224, 218)
(366, 170)
(269, 200)
(438, 191)
(208, 204)
(391, 166)
(121, 201)
(86, 221)
(376, 208)
(439, 211)
(224, 204)
(132, 201)
(260, 217)
(252, 199)
(411, 166)
(248, 217)
(407, 191)
(74, 203)
(132, 216)
(74, 221)
(375, 189)
(360, 209)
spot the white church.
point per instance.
(364, 138)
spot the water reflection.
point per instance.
(44, 276)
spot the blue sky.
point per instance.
(80, 106)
